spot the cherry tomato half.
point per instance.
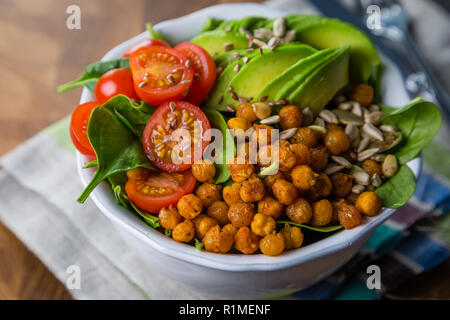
(145, 43)
(204, 71)
(78, 128)
(114, 82)
(160, 74)
(151, 191)
(176, 135)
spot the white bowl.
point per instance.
(235, 275)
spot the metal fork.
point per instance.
(394, 26)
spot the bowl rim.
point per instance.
(104, 200)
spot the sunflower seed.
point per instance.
(279, 27)
(236, 55)
(260, 43)
(333, 168)
(339, 99)
(357, 109)
(185, 81)
(319, 129)
(307, 116)
(263, 33)
(374, 117)
(379, 157)
(342, 161)
(271, 120)
(358, 188)
(328, 116)
(262, 110)
(246, 59)
(352, 132)
(263, 98)
(389, 166)
(366, 154)
(273, 43)
(374, 108)
(290, 36)
(286, 134)
(361, 177)
(236, 68)
(229, 108)
(227, 46)
(355, 143)
(372, 131)
(319, 122)
(345, 106)
(363, 144)
(387, 128)
(376, 180)
(234, 96)
(356, 168)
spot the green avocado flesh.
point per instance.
(224, 59)
(257, 73)
(213, 41)
(323, 83)
(281, 86)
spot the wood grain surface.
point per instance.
(37, 53)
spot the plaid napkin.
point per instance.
(39, 186)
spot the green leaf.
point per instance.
(419, 121)
(90, 164)
(118, 149)
(92, 72)
(199, 245)
(396, 191)
(228, 147)
(318, 229)
(153, 34)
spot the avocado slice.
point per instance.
(257, 73)
(322, 33)
(222, 60)
(323, 83)
(290, 79)
(213, 41)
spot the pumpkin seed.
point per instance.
(328, 116)
(361, 177)
(379, 157)
(372, 131)
(307, 116)
(319, 122)
(286, 134)
(347, 117)
(389, 166)
(342, 161)
(366, 154)
(333, 168)
(271, 120)
(390, 141)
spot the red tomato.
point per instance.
(145, 43)
(114, 82)
(204, 71)
(160, 74)
(78, 127)
(153, 191)
(166, 145)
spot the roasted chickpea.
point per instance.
(272, 244)
(284, 142)
(230, 228)
(284, 191)
(246, 111)
(208, 193)
(293, 236)
(239, 126)
(371, 167)
(252, 190)
(262, 134)
(246, 241)
(287, 159)
(246, 151)
(302, 154)
(305, 136)
(231, 194)
(300, 211)
(184, 231)
(349, 216)
(270, 179)
(203, 170)
(240, 169)
(368, 203)
(336, 141)
(351, 198)
(169, 217)
(362, 93)
(319, 158)
(219, 241)
(290, 117)
(241, 214)
(189, 206)
(202, 224)
(263, 225)
(270, 207)
(322, 213)
(303, 177)
(323, 186)
(342, 184)
(336, 207)
(219, 211)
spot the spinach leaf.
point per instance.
(199, 245)
(228, 147)
(92, 72)
(318, 229)
(396, 191)
(419, 121)
(118, 149)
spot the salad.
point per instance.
(257, 135)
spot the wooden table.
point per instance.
(38, 52)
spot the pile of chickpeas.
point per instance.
(243, 214)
